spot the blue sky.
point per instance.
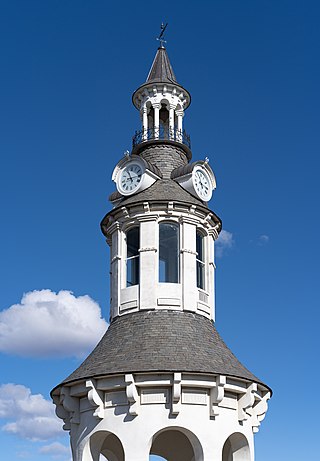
(68, 69)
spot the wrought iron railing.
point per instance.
(168, 134)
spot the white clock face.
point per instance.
(130, 178)
(202, 184)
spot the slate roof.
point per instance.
(161, 70)
(183, 170)
(164, 189)
(161, 341)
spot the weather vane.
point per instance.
(161, 36)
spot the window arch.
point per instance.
(200, 260)
(169, 251)
(133, 256)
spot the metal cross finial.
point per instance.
(161, 36)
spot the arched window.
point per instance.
(200, 261)
(132, 260)
(169, 252)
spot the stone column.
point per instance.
(188, 264)
(115, 269)
(148, 262)
(180, 115)
(144, 123)
(156, 108)
(171, 121)
(210, 276)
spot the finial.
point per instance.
(161, 37)
(126, 154)
(206, 160)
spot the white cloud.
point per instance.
(55, 449)
(263, 239)
(224, 242)
(51, 324)
(29, 416)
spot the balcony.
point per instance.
(161, 134)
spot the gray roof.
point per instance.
(161, 341)
(183, 170)
(161, 70)
(164, 189)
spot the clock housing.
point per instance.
(197, 178)
(133, 174)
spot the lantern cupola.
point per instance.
(161, 101)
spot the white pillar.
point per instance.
(115, 268)
(148, 262)
(156, 108)
(210, 277)
(171, 121)
(188, 264)
(180, 114)
(144, 123)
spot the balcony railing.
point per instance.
(163, 134)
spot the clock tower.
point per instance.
(161, 380)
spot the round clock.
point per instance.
(129, 179)
(202, 184)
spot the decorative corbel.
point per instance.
(146, 207)
(71, 404)
(246, 402)
(176, 394)
(217, 395)
(259, 412)
(170, 208)
(95, 398)
(61, 412)
(125, 212)
(132, 395)
(192, 209)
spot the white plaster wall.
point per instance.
(150, 294)
(213, 409)
(136, 433)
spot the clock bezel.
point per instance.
(203, 197)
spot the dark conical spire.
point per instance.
(161, 70)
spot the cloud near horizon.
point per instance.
(49, 324)
(30, 416)
(225, 241)
(55, 450)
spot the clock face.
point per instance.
(130, 178)
(202, 184)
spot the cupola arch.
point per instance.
(176, 444)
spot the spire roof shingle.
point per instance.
(161, 70)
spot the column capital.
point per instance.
(180, 112)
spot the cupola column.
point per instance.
(211, 274)
(188, 264)
(144, 123)
(115, 268)
(148, 262)
(180, 115)
(156, 108)
(171, 121)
